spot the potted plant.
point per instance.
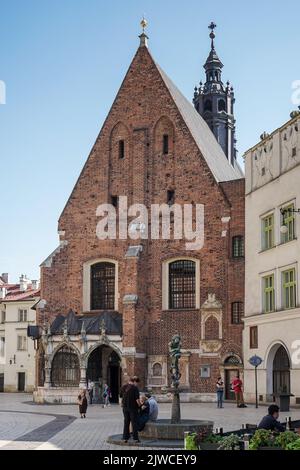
(190, 441)
(208, 441)
(286, 438)
(294, 445)
(262, 440)
(203, 440)
(231, 442)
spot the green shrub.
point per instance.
(286, 438)
(190, 442)
(261, 438)
(231, 442)
(294, 445)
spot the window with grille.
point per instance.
(289, 286)
(268, 294)
(253, 337)
(22, 314)
(238, 246)
(182, 284)
(22, 343)
(237, 312)
(65, 370)
(268, 232)
(103, 286)
(288, 219)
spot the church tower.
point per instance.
(214, 102)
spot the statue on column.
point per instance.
(175, 355)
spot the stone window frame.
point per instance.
(86, 282)
(165, 281)
(205, 316)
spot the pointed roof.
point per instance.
(213, 60)
(211, 150)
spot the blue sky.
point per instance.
(63, 62)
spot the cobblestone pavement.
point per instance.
(24, 425)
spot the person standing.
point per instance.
(220, 392)
(83, 404)
(106, 396)
(130, 396)
(91, 391)
(237, 387)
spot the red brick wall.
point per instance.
(142, 112)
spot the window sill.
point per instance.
(181, 310)
(278, 244)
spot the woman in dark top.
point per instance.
(83, 404)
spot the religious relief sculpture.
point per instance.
(175, 354)
(103, 336)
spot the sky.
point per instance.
(62, 62)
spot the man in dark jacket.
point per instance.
(130, 403)
(270, 421)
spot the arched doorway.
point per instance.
(65, 369)
(232, 367)
(281, 371)
(104, 366)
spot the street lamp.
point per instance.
(283, 211)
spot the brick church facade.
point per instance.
(110, 307)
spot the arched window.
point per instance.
(208, 105)
(182, 285)
(232, 361)
(65, 370)
(221, 105)
(211, 328)
(103, 286)
(157, 370)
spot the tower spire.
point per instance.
(143, 37)
(214, 101)
(212, 35)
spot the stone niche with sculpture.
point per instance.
(211, 326)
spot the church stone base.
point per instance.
(187, 397)
(56, 395)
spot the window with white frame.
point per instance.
(289, 288)
(22, 343)
(268, 293)
(268, 239)
(2, 346)
(22, 314)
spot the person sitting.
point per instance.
(143, 413)
(270, 421)
(153, 411)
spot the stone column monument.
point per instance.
(175, 355)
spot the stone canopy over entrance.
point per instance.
(75, 351)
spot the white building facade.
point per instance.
(272, 306)
(17, 351)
